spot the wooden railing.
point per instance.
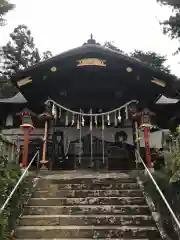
(8, 148)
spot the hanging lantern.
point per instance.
(67, 119)
(145, 119)
(26, 121)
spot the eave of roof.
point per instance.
(18, 98)
(99, 49)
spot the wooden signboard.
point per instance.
(91, 62)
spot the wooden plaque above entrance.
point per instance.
(91, 62)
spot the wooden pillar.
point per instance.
(27, 127)
(147, 147)
(136, 136)
(44, 161)
(145, 124)
(25, 148)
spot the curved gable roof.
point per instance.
(95, 48)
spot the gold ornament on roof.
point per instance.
(129, 69)
(53, 69)
(91, 62)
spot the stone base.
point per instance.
(43, 165)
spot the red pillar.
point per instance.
(25, 148)
(26, 127)
(147, 147)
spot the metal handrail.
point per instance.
(17, 184)
(158, 189)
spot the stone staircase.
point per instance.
(87, 208)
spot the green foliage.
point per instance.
(153, 59)
(20, 52)
(171, 169)
(168, 179)
(46, 55)
(171, 26)
(110, 44)
(5, 7)
(9, 175)
(173, 3)
(171, 192)
(6, 88)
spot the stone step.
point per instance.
(87, 201)
(88, 210)
(80, 220)
(90, 186)
(50, 232)
(90, 180)
(89, 239)
(87, 193)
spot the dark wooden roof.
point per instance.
(95, 49)
(96, 87)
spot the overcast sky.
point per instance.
(59, 25)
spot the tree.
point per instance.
(152, 59)
(46, 55)
(5, 7)
(173, 3)
(20, 52)
(110, 44)
(171, 26)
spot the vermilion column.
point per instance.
(26, 127)
(25, 148)
(147, 147)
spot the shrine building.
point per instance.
(91, 106)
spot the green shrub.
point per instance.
(9, 174)
(168, 179)
(172, 193)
